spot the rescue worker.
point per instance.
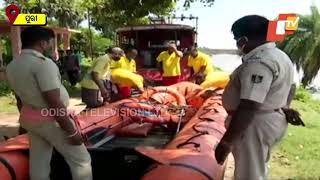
(200, 65)
(254, 99)
(128, 62)
(36, 81)
(169, 61)
(116, 62)
(93, 87)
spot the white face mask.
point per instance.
(242, 40)
(240, 50)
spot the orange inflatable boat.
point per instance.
(166, 133)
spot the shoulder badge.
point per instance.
(256, 78)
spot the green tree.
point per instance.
(107, 15)
(187, 3)
(303, 47)
(99, 42)
(65, 13)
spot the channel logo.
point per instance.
(17, 19)
(286, 24)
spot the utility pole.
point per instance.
(90, 34)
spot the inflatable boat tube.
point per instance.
(150, 94)
(14, 165)
(191, 154)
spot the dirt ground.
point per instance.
(9, 126)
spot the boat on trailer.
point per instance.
(168, 132)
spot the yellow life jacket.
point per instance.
(124, 77)
(216, 79)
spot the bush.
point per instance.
(86, 62)
(5, 89)
(85, 66)
(302, 95)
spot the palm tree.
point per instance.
(303, 47)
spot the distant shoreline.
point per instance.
(229, 62)
(218, 51)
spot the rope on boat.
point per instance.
(207, 109)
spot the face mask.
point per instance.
(116, 58)
(48, 52)
(241, 44)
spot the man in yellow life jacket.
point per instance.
(200, 65)
(127, 62)
(169, 61)
(93, 91)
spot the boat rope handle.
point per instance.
(207, 110)
(196, 145)
(188, 141)
(194, 127)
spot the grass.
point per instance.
(8, 104)
(297, 157)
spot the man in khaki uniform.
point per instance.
(258, 89)
(36, 82)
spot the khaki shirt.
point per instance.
(265, 76)
(30, 74)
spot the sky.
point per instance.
(215, 22)
(214, 29)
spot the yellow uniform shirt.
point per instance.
(116, 64)
(128, 64)
(124, 63)
(30, 74)
(170, 64)
(199, 61)
(100, 66)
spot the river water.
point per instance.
(229, 62)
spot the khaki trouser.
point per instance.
(252, 150)
(43, 137)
